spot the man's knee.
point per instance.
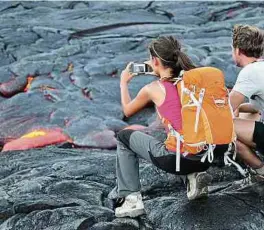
(245, 131)
(240, 147)
(124, 136)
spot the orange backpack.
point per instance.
(207, 117)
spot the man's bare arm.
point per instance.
(248, 108)
(236, 99)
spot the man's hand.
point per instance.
(247, 111)
(236, 113)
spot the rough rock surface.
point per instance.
(56, 188)
(67, 56)
(59, 67)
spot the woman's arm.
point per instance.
(129, 106)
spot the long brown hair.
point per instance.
(168, 50)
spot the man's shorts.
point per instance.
(258, 136)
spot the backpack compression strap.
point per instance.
(179, 139)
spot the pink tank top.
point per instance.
(170, 109)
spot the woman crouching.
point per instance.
(167, 61)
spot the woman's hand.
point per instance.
(126, 75)
(150, 64)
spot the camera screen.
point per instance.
(139, 68)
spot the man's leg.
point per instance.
(245, 131)
(248, 156)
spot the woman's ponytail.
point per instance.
(168, 50)
(184, 61)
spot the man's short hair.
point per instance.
(249, 39)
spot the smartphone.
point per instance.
(140, 68)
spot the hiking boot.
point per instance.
(197, 185)
(132, 206)
(113, 194)
(253, 177)
(257, 178)
(118, 202)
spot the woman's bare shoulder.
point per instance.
(153, 84)
(156, 93)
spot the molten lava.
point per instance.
(29, 80)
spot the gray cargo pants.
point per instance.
(133, 145)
